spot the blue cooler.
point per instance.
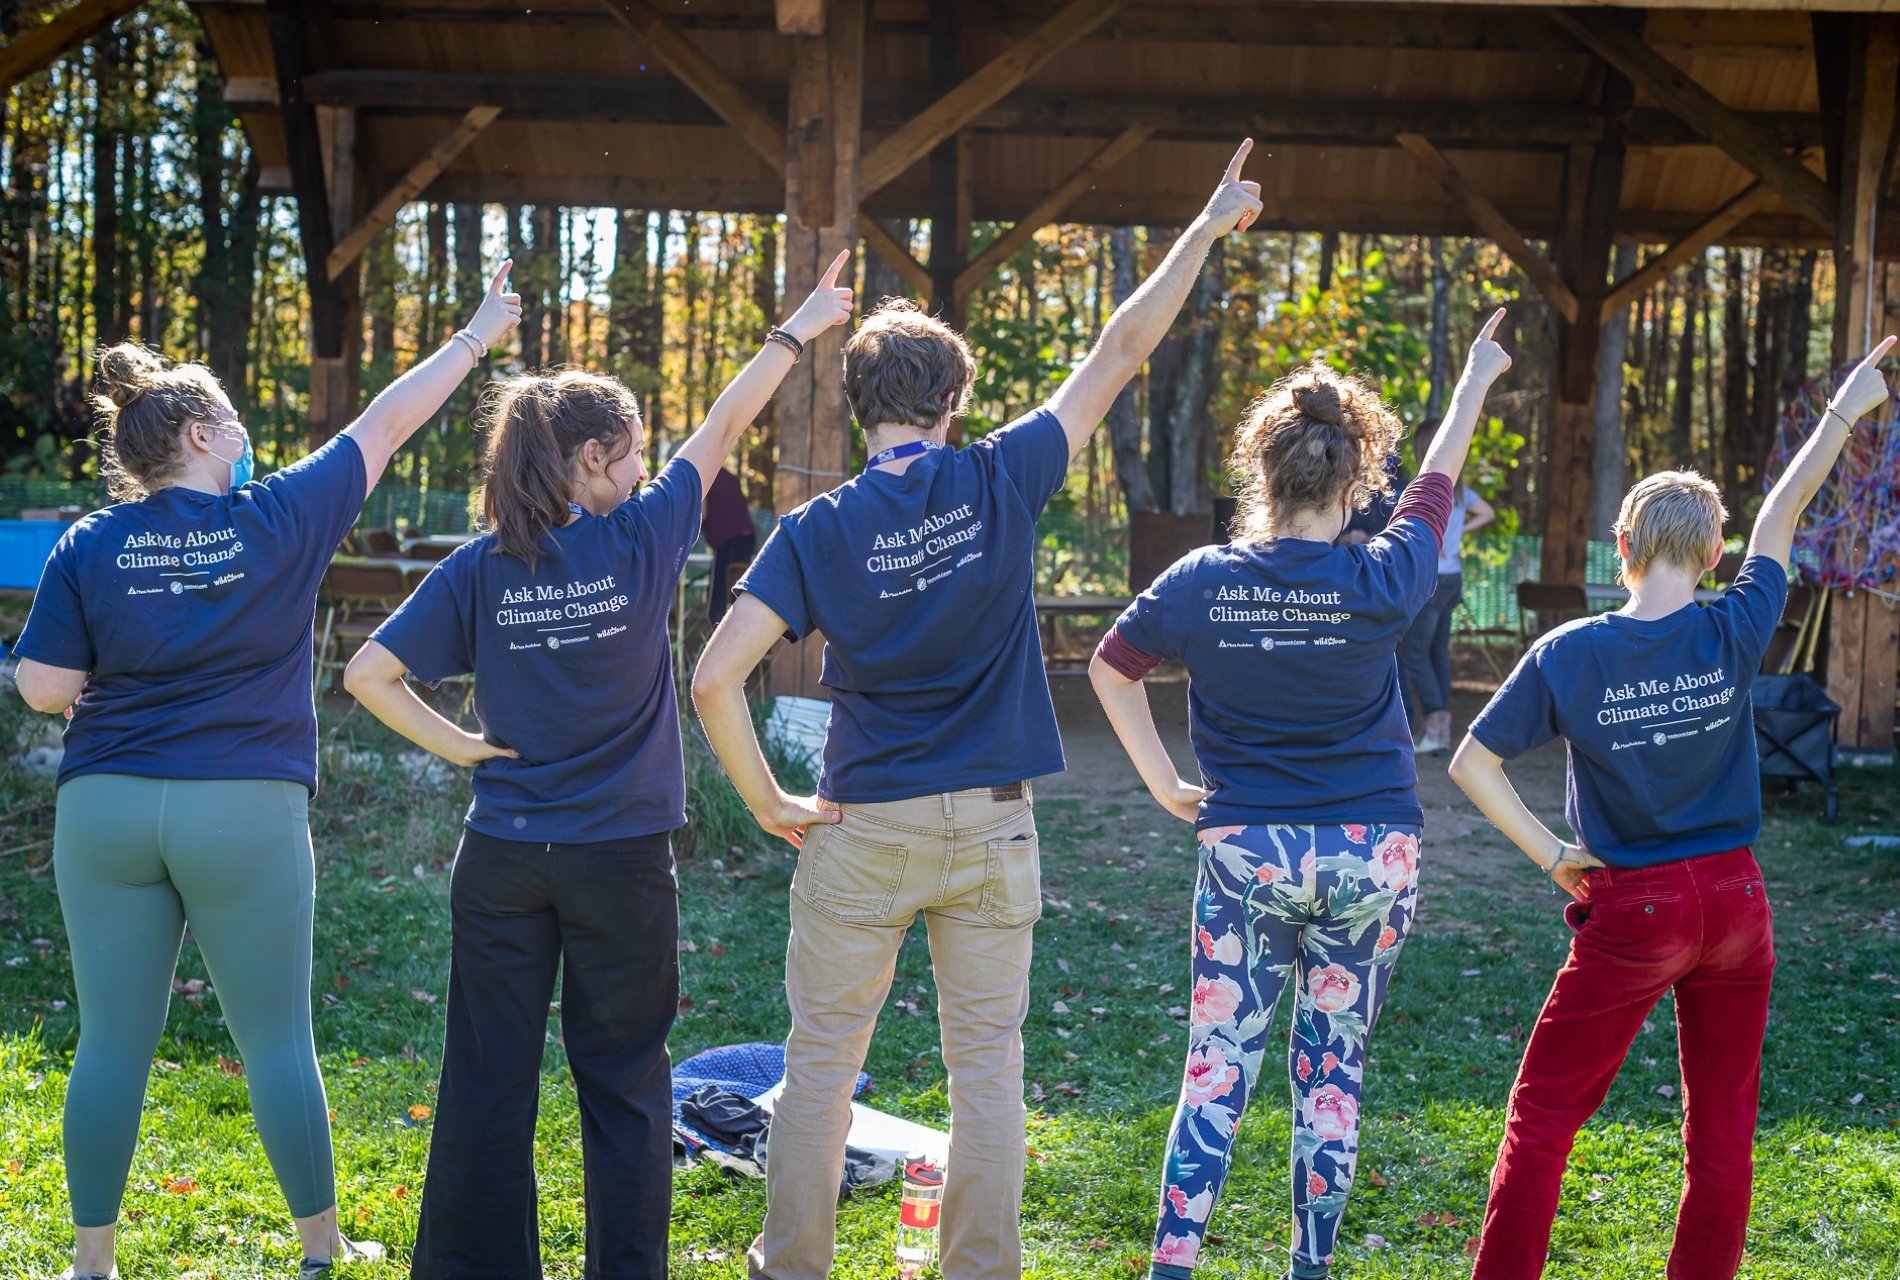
(24, 548)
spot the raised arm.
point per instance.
(744, 637)
(739, 405)
(1863, 392)
(1139, 324)
(1452, 441)
(412, 399)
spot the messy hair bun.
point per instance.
(125, 371)
(1314, 439)
(144, 404)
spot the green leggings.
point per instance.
(136, 858)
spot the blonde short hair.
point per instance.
(1674, 516)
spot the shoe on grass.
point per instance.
(364, 1252)
(70, 1274)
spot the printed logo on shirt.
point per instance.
(1281, 617)
(1665, 710)
(186, 560)
(560, 615)
(926, 554)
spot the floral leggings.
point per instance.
(1327, 907)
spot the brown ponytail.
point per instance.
(1308, 441)
(536, 426)
(144, 404)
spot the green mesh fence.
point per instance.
(1494, 567)
(390, 506)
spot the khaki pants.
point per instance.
(970, 864)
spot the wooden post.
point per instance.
(812, 420)
(948, 236)
(336, 355)
(1863, 628)
(1593, 185)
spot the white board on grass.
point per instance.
(885, 1135)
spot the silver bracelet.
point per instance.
(475, 343)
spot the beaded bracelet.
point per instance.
(788, 341)
(474, 343)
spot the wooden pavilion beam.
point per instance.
(1710, 230)
(806, 184)
(800, 17)
(994, 81)
(1495, 125)
(1675, 90)
(1494, 224)
(1051, 207)
(914, 274)
(37, 48)
(408, 187)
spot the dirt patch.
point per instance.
(1460, 846)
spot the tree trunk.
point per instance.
(756, 472)
(881, 280)
(1737, 418)
(1682, 410)
(1124, 428)
(465, 221)
(1329, 250)
(1610, 460)
(110, 323)
(1194, 445)
(380, 275)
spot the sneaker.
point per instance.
(70, 1274)
(1430, 746)
(364, 1252)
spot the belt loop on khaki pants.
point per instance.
(949, 807)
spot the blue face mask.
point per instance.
(245, 466)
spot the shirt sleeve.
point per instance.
(1753, 604)
(432, 632)
(322, 494)
(669, 505)
(56, 632)
(1152, 625)
(1034, 451)
(1408, 548)
(776, 579)
(1522, 714)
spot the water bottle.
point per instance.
(918, 1218)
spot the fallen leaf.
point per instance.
(419, 1113)
(230, 1066)
(1374, 1242)
(1376, 1178)
(686, 1004)
(1665, 1091)
(400, 1192)
(716, 949)
(1471, 1246)
(14, 1167)
(188, 986)
(687, 946)
(1096, 1242)
(425, 997)
(1058, 1007)
(179, 1186)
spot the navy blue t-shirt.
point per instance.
(1656, 718)
(572, 667)
(1293, 691)
(193, 612)
(922, 584)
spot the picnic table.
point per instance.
(1051, 608)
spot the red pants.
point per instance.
(1703, 927)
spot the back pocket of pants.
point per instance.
(1012, 882)
(848, 877)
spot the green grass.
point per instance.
(1101, 1083)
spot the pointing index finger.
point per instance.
(1879, 353)
(830, 279)
(1240, 158)
(501, 276)
(1491, 325)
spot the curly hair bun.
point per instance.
(127, 371)
(1319, 401)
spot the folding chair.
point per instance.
(381, 542)
(357, 597)
(1548, 602)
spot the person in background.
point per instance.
(1365, 523)
(919, 573)
(728, 530)
(1663, 795)
(1307, 815)
(566, 864)
(1425, 652)
(177, 624)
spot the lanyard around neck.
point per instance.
(909, 449)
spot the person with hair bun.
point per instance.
(559, 611)
(1307, 812)
(175, 628)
